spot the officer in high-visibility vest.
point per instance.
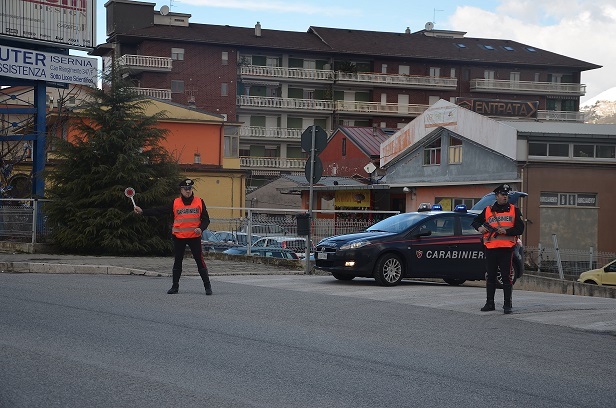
(501, 224)
(190, 219)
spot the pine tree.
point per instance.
(115, 146)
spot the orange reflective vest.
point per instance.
(186, 218)
(497, 220)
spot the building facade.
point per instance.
(277, 83)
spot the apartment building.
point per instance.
(277, 83)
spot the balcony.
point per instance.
(526, 87)
(141, 63)
(287, 74)
(164, 94)
(270, 133)
(397, 81)
(292, 104)
(560, 116)
(378, 108)
(274, 163)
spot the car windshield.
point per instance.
(397, 223)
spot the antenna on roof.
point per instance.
(429, 26)
(434, 16)
(164, 10)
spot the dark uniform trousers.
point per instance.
(499, 258)
(179, 246)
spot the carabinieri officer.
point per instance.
(501, 224)
(190, 219)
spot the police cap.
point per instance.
(502, 189)
(187, 183)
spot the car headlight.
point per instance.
(354, 245)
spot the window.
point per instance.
(232, 141)
(177, 86)
(432, 153)
(578, 150)
(224, 89)
(583, 150)
(455, 150)
(273, 62)
(488, 47)
(530, 49)
(177, 54)
(558, 149)
(384, 69)
(488, 75)
(225, 58)
(271, 151)
(460, 45)
(537, 149)
(466, 222)
(344, 146)
(606, 152)
(452, 73)
(435, 72)
(508, 48)
(548, 149)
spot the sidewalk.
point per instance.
(151, 266)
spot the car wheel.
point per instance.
(343, 277)
(388, 270)
(454, 282)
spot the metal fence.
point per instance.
(564, 263)
(23, 221)
(273, 221)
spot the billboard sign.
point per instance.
(45, 66)
(62, 23)
(497, 107)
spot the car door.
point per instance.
(429, 256)
(470, 259)
(609, 275)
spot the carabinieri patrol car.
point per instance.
(426, 244)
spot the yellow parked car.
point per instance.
(601, 276)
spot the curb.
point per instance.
(42, 267)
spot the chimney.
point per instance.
(258, 29)
(407, 31)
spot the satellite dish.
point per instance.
(164, 10)
(429, 25)
(369, 168)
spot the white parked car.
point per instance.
(297, 244)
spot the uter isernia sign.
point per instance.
(44, 66)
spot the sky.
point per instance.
(580, 29)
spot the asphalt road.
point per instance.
(288, 341)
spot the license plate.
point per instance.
(321, 255)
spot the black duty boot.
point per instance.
(173, 290)
(507, 292)
(206, 281)
(490, 291)
(507, 308)
(488, 307)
